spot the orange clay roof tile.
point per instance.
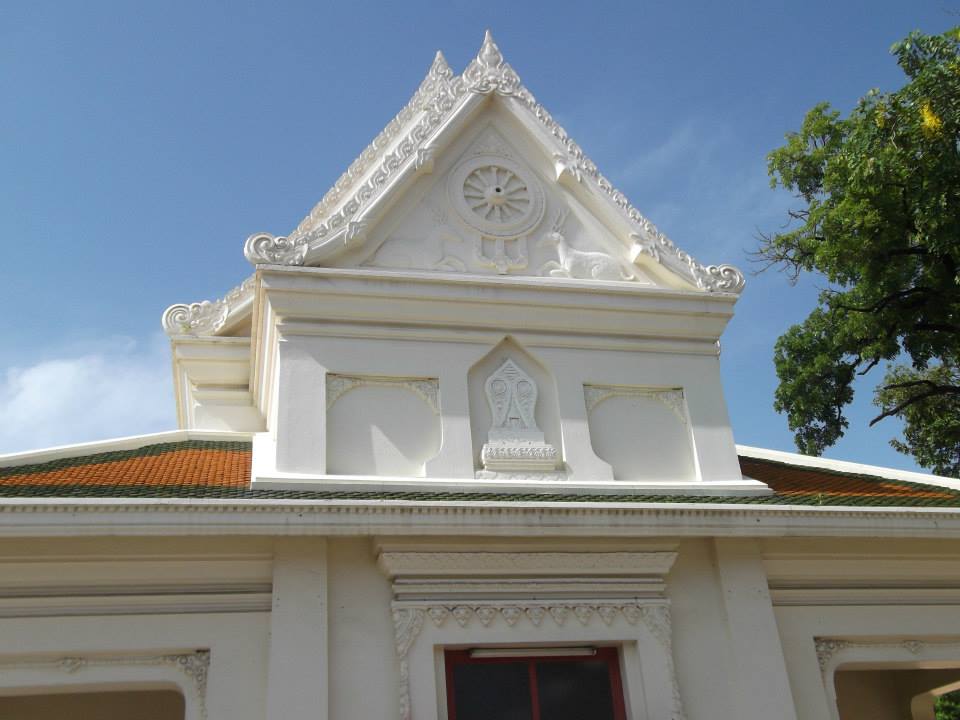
(219, 469)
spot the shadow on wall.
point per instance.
(114, 705)
(895, 693)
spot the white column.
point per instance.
(297, 681)
(757, 667)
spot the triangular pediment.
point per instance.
(474, 176)
(394, 208)
(491, 207)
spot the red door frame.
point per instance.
(452, 658)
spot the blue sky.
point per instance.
(141, 143)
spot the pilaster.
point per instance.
(756, 665)
(298, 676)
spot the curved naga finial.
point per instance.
(202, 318)
(207, 317)
(715, 278)
(267, 249)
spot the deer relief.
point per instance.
(576, 263)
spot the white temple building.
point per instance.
(458, 449)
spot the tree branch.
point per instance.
(934, 391)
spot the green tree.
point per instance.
(947, 706)
(880, 223)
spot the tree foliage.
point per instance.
(947, 707)
(880, 222)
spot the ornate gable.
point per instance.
(409, 148)
(472, 176)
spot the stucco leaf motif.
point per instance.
(407, 623)
(536, 614)
(632, 613)
(438, 615)
(583, 613)
(462, 615)
(559, 614)
(511, 614)
(71, 664)
(827, 648)
(607, 613)
(657, 620)
(486, 614)
(912, 646)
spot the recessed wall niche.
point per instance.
(546, 412)
(642, 432)
(381, 425)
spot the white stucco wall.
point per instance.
(302, 628)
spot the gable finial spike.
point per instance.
(489, 55)
(439, 66)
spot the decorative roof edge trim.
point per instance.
(337, 220)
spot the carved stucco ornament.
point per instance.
(207, 317)
(496, 196)
(427, 388)
(514, 441)
(672, 399)
(195, 666)
(439, 96)
(408, 621)
(573, 263)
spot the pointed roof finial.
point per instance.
(438, 74)
(489, 55)
(489, 73)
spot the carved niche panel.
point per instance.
(381, 426)
(642, 432)
(514, 441)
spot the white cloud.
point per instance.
(122, 387)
